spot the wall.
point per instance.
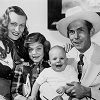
(37, 18)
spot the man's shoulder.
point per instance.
(96, 49)
(96, 46)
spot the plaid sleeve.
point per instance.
(16, 82)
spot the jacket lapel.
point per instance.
(93, 69)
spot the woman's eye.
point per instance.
(14, 24)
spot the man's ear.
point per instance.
(49, 62)
(92, 31)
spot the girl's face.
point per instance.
(36, 52)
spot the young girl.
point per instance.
(26, 73)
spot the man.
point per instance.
(13, 31)
(79, 25)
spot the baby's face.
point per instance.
(58, 60)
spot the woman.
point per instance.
(26, 73)
(13, 32)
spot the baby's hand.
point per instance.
(61, 90)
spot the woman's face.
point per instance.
(16, 25)
(36, 52)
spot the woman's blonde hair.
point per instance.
(4, 20)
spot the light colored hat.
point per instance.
(75, 13)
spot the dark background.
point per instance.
(54, 13)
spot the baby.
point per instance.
(52, 81)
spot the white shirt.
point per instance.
(56, 79)
(50, 81)
(74, 53)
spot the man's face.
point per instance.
(16, 25)
(79, 35)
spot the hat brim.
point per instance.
(92, 17)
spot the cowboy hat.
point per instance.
(75, 13)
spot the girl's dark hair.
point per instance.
(38, 37)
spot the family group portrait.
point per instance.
(49, 49)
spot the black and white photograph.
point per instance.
(49, 49)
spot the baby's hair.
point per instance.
(58, 47)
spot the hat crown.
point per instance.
(79, 13)
(73, 11)
(82, 8)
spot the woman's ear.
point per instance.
(92, 31)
